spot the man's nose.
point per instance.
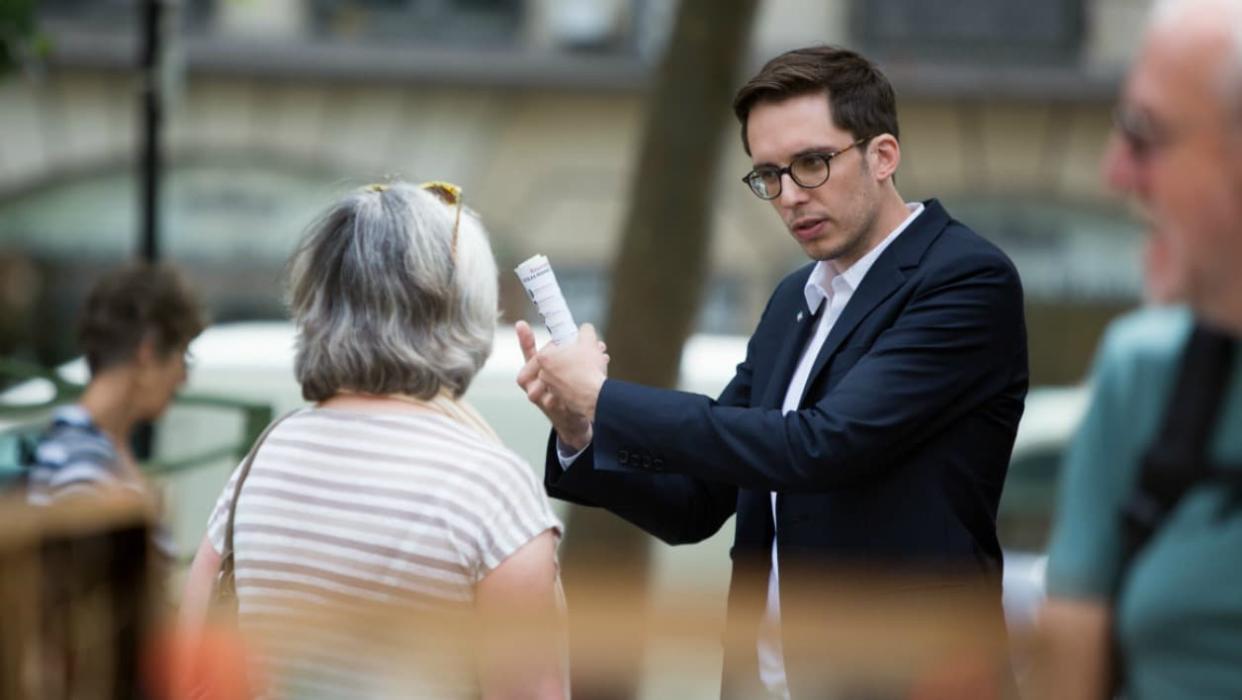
(1120, 166)
(792, 194)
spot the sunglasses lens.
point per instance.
(448, 193)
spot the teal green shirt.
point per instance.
(1180, 610)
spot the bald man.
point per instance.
(1165, 622)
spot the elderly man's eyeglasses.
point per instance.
(808, 171)
(1139, 131)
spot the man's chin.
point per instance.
(820, 250)
(157, 412)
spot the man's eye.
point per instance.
(1139, 143)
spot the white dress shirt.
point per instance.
(836, 287)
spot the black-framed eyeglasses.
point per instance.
(1139, 131)
(808, 171)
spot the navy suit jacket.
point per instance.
(895, 457)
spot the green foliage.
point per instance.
(20, 40)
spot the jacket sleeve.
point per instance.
(676, 508)
(955, 345)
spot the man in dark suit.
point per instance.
(872, 420)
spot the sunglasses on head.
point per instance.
(450, 194)
(446, 192)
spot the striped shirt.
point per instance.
(342, 509)
(74, 457)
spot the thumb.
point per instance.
(526, 339)
(587, 334)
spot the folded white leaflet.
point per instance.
(541, 286)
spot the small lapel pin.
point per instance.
(799, 319)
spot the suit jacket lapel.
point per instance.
(875, 288)
(885, 277)
(801, 324)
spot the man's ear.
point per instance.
(146, 354)
(884, 155)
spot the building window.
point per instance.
(1014, 31)
(443, 21)
(120, 16)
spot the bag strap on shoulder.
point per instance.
(1178, 458)
(226, 560)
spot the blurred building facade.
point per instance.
(535, 108)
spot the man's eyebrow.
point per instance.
(815, 149)
(799, 154)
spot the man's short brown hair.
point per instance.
(132, 303)
(861, 99)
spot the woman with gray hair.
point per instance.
(388, 492)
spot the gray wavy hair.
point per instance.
(382, 302)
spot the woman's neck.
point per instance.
(346, 400)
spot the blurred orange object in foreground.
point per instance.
(967, 676)
(214, 664)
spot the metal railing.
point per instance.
(23, 421)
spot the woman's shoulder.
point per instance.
(412, 434)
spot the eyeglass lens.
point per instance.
(810, 170)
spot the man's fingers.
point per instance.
(535, 390)
(528, 373)
(537, 395)
(526, 339)
(587, 334)
(549, 381)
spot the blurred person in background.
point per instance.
(135, 330)
(1145, 553)
(389, 490)
(871, 422)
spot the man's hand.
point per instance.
(573, 429)
(575, 373)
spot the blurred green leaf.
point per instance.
(19, 38)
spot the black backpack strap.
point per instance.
(1229, 477)
(1179, 458)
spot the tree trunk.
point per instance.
(659, 275)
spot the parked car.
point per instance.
(1052, 415)
(252, 362)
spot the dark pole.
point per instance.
(152, 123)
(150, 71)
